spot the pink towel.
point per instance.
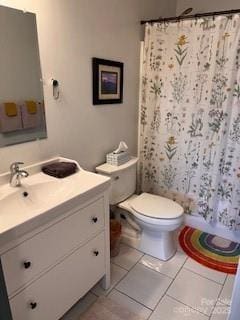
(32, 120)
(9, 124)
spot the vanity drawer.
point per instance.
(53, 294)
(24, 262)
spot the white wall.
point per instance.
(71, 32)
(153, 9)
(200, 6)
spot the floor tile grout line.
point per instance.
(93, 293)
(221, 291)
(123, 276)
(135, 263)
(106, 293)
(138, 262)
(148, 255)
(195, 272)
(127, 271)
(183, 267)
(82, 313)
(142, 304)
(173, 279)
(118, 265)
(127, 245)
(206, 315)
(165, 293)
(148, 318)
(163, 274)
(219, 297)
(115, 287)
(144, 254)
(223, 305)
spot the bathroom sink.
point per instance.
(28, 196)
(36, 195)
(15, 202)
(40, 194)
(45, 193)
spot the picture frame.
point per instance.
(107, 81)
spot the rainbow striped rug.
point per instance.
(209, 250)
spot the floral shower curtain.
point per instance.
(190, 116)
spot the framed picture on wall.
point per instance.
(107, 81)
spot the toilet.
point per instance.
(158, 217)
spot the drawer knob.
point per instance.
(96, 253)
(33, 305)
(95, 219)
(27, 264)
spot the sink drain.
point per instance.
(25, 194)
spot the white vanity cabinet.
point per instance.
(38, 253)
(50, 296)
(50, 267)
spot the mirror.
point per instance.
(22, 115)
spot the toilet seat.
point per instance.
(156, 207)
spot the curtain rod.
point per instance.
(194, 16)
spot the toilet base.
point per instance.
(157, 235)
(162, 247)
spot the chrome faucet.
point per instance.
(17, 174)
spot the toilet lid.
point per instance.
(156, 207)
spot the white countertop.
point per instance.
(48, 197)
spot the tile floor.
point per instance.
(178, 289)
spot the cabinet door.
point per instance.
(53, 294)
(24, 262)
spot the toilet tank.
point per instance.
(123, 179)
